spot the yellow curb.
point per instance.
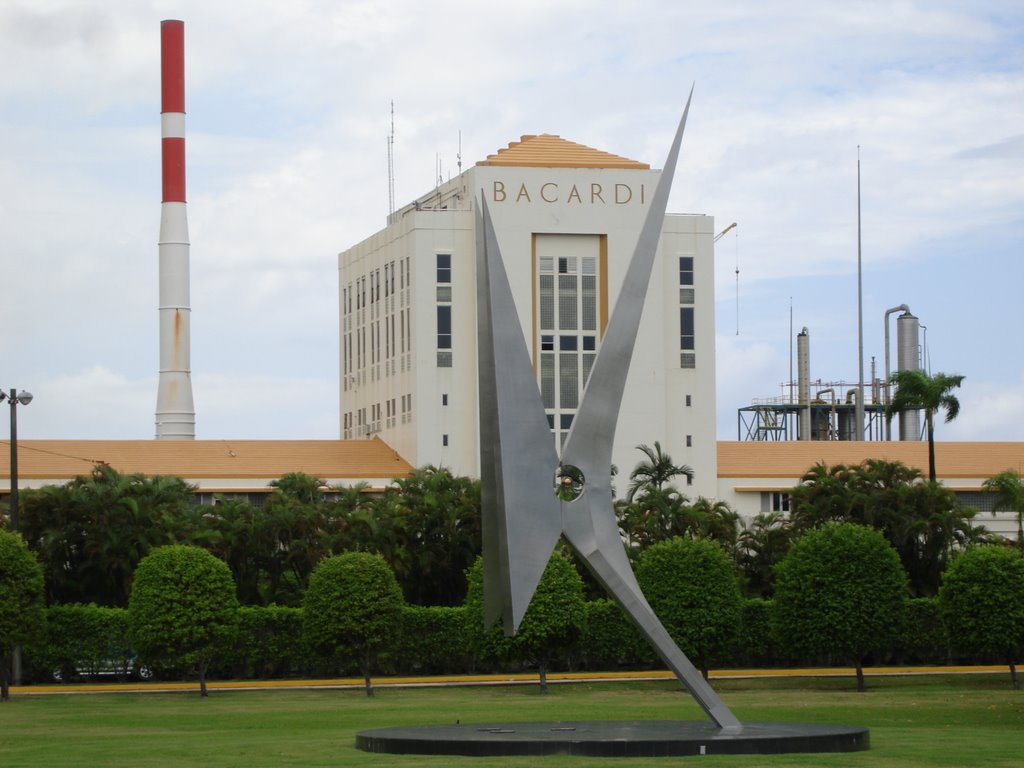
(510, 679)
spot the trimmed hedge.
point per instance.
(82, 641)
(610, 640)
(433, 641)
(88, 641)
(922, 638)
(693, 589)
(269, 644)
(755, 644)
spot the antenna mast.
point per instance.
(859, 411)
(391, 162)
(718, 237)
(737, 243)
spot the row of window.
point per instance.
(386, 415)
(368, 343)
(366, 290)
(567, 318)
(687, 329)
(444, 310)
(379, 341)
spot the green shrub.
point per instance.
(839, 591)
(353, 608)
(755, 643)
(922, 638)
(611, 640)
(552, 626)
(982, 603)
(269, 644)
(88, 640)
(433, 641)
(183, 610)
(693, 589)
(22, 615)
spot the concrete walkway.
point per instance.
(467, 680)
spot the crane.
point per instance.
(724, 231)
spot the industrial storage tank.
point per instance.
(803, 366)
(908, 358)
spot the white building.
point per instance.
(567, 218)
(756, 476)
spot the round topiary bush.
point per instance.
(183, 610)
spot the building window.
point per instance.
(779, 501)
(444, 440)
(444, 327)
(689, 441)
(444, 268)
(686, 333)
(444, 399)
(982, 501)
(689, 401)
(568, 291)
(686, 270)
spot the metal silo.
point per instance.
(908, 358)
(803, 382)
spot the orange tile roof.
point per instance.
(200, 459)
(792, 458)
(549, 151)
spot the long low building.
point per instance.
(213, 466)
(753, 477)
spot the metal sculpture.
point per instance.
(531, 497)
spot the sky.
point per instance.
(289, 112)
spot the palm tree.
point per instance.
(717, 521)
(654, 473)
(300, 487)
(1009, 492)
(763, 542)
(917, 391)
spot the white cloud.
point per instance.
(91, 403)
(988, 411)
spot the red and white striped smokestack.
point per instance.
(175, 412)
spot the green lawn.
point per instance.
(914, 721)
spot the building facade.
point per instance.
(567, 219)
(214, 467)
(755, 477)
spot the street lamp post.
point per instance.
(24, 399)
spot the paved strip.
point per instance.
(525, 678)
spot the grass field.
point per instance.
(915, 721)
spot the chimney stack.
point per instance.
(175, 412)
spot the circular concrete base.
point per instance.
(614, 738)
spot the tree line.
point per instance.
(91, 533)
(841, 598)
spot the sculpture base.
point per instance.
(614, 738)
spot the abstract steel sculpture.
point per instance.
(531, 497)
